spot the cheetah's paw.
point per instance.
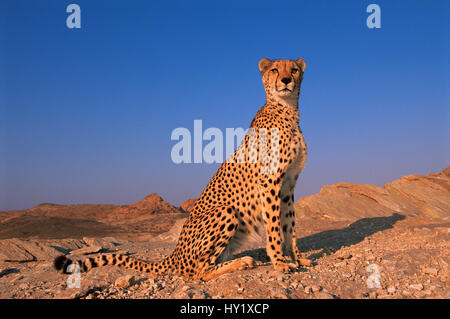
(303, 262)
(285, 267)
(247, 262)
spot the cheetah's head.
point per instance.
(282, 79)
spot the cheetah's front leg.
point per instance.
(288, 227)
(271, 215)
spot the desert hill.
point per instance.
(422, 196)
(151, 215)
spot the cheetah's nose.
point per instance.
(286, 80)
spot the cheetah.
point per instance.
(244, 196)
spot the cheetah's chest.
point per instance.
(299, 149)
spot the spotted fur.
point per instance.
(242, 198)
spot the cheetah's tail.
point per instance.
(62, 264)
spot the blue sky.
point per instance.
(86, 114)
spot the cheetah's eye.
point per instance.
(274, 70)
(294, 71)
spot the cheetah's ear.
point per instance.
(301, 64)
(264, 64)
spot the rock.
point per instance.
(109, 243)
(86, 250)
(198, 294)
(24, 286)
(346, 201)
(13, 250)
(414, 195)
(152, 204)
(315, 288)
(65, 245)
(324, 295)
(344, 256)
(16, 279)
(416, 286)
(31, 250)
(429, 194)
(125, 281)
(172, 234)
(76, 293)
(406, 293)
(296, 285)
(305, 262)
(391, 290)
(430, 271)
(427, 292)
(191, 293)
(188, 204)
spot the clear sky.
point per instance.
(86, 114)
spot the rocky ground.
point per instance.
(364, 241)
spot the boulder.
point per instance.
(32, 250)
(188, 204)
(125, 281)
(86, 250)
(106, 242)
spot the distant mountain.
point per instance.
(152, 204)
(151, 215)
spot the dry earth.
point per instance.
(352, 233)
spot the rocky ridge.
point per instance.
(147, 217)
